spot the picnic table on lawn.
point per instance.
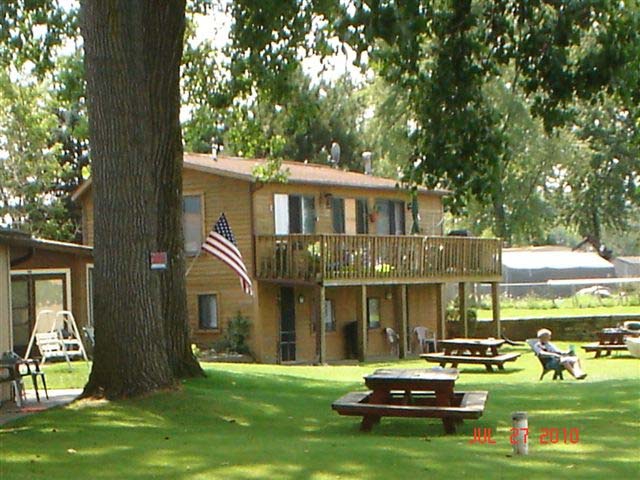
(609, 339)
(420, 393)
(482, 351)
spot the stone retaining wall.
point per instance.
(581, 328)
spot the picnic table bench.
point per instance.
(609, 340)
(473, 351)
(418, 393)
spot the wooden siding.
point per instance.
(87, 219)
(208, 274)
(430, 206)
(422, 311)
(5, 314)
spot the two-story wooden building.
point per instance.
(327, 245)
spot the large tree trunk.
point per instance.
(174, 302)
(132, 54)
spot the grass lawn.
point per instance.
(265, 421)
(484, 314)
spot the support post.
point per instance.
(495, 306)
(403, 334)
(362, 324)
(440, 307)
(322, 330)
(462, 303)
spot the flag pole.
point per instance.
(192, 263)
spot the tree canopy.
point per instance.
(496, 101)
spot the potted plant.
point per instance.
(373, 214)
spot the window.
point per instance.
(329, 316)
(337, 210)
(192, 223)
(362, 216)
(373, 312)
(294, 214)
(390, 217)
(208, 311)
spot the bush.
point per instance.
(236, 336)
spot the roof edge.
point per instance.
(212, 169)
(21, 239)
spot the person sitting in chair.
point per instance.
(553, 357)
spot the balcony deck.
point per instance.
(333, 259)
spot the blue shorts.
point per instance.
(552, 363)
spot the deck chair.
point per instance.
(426, 339)
(557, 372)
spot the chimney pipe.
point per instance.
(367, 162)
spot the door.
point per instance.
(20, 314)
(287, 325)
(30, 294)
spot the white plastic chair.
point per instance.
(425, 337)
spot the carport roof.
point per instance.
(16, 238)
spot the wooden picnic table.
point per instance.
(486, 347)
(412, 393)
(609, 340)
(484, 351)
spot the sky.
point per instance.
(216, 27)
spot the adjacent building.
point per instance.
(38, 274)
(528, 270)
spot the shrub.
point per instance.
(237, 334)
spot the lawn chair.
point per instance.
(426, 339)
(393, 341)
(557, 372)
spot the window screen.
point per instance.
(192, 223)
(337, 211)
(208, 312)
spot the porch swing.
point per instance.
(56, 336)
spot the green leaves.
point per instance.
(31, 32)
(29, 168)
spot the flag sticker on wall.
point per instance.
(158, 260)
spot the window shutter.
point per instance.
(281, 213)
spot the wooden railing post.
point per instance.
(441, 310)
(462, 304)
(402, 305)
(362, 324)
(495, 306)
(322, 328)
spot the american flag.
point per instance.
(221, 243)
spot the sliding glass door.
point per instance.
(30, 294)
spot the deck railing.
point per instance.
(327, 257)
